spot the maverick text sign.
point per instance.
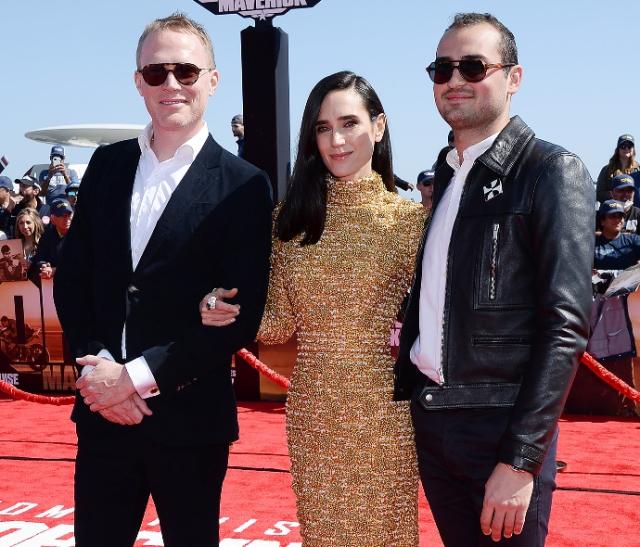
(258, 9)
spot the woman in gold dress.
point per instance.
(343, 257)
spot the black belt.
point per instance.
(432, 396)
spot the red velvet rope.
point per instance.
(263, 369)
(16, 393)
(600, 371)
(609, 378)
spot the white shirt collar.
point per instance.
(192, 146)
(472, 153)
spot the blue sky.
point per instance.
(71, 62)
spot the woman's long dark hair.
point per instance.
(304, 210)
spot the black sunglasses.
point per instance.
(472, 70)
(185, 73)
(626, 145)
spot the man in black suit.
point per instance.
(159, 221)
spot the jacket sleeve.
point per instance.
(278, 321)
(562, 242)
(244, 264)
(72, 283)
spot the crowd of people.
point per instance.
(39, 215)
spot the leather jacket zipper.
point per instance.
(493, 269)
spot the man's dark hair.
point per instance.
(508, 48)
(304, 210)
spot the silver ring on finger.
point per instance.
(211, 302)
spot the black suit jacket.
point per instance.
(214, 232)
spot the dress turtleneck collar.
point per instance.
(354, 192)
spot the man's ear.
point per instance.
(214, 80)
(514, 79)
(137, 80)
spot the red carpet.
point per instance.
(598, 503)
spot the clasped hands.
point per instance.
(108, 390)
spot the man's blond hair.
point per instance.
(178, 22)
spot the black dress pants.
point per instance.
(115, 475)
(457, 452)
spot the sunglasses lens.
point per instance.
(472, 70)
(440, 73)
(186, 73)
(154, 74)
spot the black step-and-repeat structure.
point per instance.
(265, 83)
(267, 141)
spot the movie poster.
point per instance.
(13, 266)
(31, 343)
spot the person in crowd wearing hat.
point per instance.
(30, 191)
(56, 179)
(72, 192)
(623, 189)
(424, 185)
(614, 250)
(237, 128)
(45, 262)
(7, 206)
(622, 162)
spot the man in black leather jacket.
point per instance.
(497, 317)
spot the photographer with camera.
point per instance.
(58, 176)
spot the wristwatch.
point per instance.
(518, 469)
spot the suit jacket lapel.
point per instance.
(121, 199)
(194, 183)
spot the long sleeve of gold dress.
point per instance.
(351, 446)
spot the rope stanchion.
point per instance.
(249, 357)
(608, 377)
(263, 369)
(586, 359)
(16, 393)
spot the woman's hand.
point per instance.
(215, 312)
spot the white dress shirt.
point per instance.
(426, 352)
(154, 183)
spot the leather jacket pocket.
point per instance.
(511, 340)
(501, 280)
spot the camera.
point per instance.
(56, 160)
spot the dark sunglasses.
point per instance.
(185, 73)
(472, 70)
(626, 145)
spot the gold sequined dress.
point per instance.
(351, 446)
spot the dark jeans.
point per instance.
(457, 451)
(114, 477)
